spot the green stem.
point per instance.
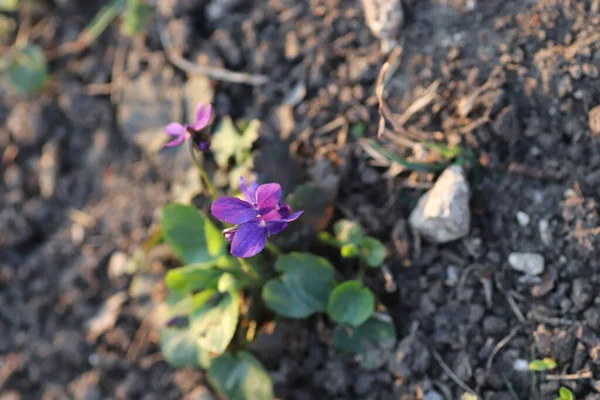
(249, 270)
(272, 247)
(203, 174)
(361, 271)
(327, 239)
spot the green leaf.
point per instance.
(191, 235)
(351, 303)
(227, 283)
(565, 394)
(547, 364)
(303, 288)
(192, 277)
(28, 70)
(372, 251)
(214, 323)
(358, 340)
(101, 21)
(350, 250)
(225, 142)
(250, 134)
(138, 13)
(9, 5)
(228, 142)
(415, 166)
(181, 348)
(347, 231)
(240, 377)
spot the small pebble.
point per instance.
(545, 235)
(433, 395)
(521, 365)
(523, 218)
(117, 265)
(529, 263)
(452, 275)
(443, 214)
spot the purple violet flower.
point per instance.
(259, 216)
(192, 131)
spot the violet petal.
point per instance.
(180, 139)
(275, 227)
(249, 239)
(268, 196)
(204, 146)
(294, 216)
(202, 117)
(233, 210)
(248, 192)
(175, 129)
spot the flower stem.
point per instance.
(362, 267)
(203, 174)
(328, 240)
(249, 270)
(273, 248)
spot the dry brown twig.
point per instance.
(586, 374)
(511, 302)
(384, 110)
(217, 73)
(499, 346)
(451, 373)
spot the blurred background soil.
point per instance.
(83, 183)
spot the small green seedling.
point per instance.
(230, 143)
(547, 364)
(354, 243)
(565, 394)
(26, 69)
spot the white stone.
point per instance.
(523, 218)
(529, 263)
(521, 365)
(117, 265)
(442, 214)
(433, 395)
(545, 234)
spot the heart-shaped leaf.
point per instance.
(351, 303)
(303, 288)
(360, 339)
(28, 70)
(347, 231)
(240, 377)
(179, 345)
(228, 142)
(214, 323)
(350, 250)
(372, 251)
(547, 364)
(191, 235)
(565, 394)
(181, 348)
(193, 277)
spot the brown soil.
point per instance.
(513, 80)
